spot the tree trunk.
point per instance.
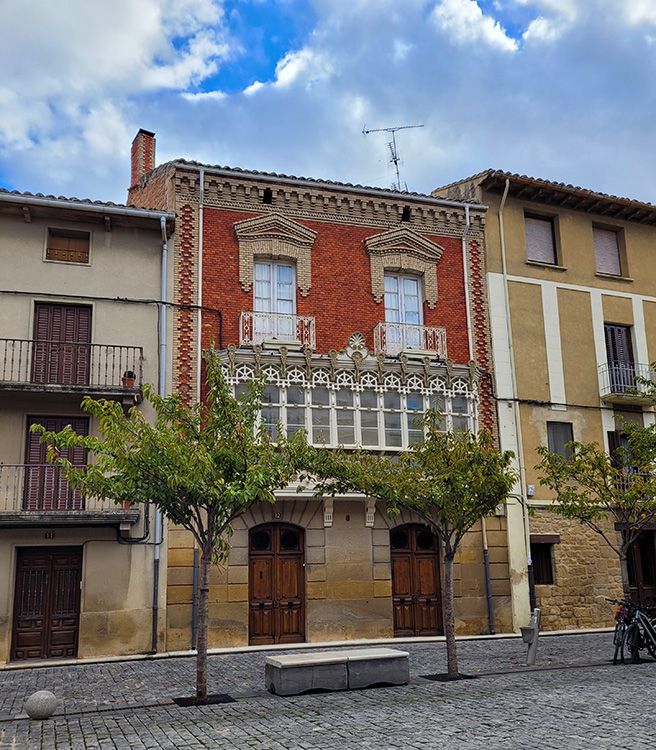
(449, 619)
(201, 645)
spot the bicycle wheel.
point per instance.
(632, 644)
(618, 640)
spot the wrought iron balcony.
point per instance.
(618, 382)
(38, 493)
(61, 365)
(281, 328)
(394, 338)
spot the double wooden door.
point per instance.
(276, 585)
(416, 593)
(642, 567)
(46, 603)
(62, 344)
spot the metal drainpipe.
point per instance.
(162, 392)
(466, 279)
(516, 414)
(194, 603)
(200, 279)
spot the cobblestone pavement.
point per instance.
(575, 699)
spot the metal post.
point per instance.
(530, 636)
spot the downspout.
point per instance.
(200, 279)
(516, 413)
(162, 392)
(488, 582)
(465, 269)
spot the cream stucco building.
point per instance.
(572, 295)
(80, 314)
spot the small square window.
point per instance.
(542, 557)
(558, 435)
(540, 239)
(68, 246)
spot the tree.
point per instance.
(201, 465)
(450, 480)
(593, 487)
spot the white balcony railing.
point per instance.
(42, 487)
(259, 327)
(618, 380)
(393, 338)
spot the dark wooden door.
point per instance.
(276, 585)
(62, 338)
(416, 593)
(46, 603)
(642, 567)
(44, 487)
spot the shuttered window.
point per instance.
(540, 239)
(607, 251)
(69, 247)
(62, 351)
(618, 344)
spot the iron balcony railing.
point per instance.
(69, 364)
(258, 327)
(620, 379)
(393, 338)
(42, 487)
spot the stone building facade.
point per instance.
(362, 308)
(573, 319)
(78, 316)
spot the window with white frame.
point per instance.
(274, 298)
(403, 307)
(388, 420)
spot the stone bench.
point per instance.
(291, 674)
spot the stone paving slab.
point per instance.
(125, 705)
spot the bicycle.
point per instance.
(623, 618)
(641, 633)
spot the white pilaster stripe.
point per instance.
(499, 331)
(551, 319)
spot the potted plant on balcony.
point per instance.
(128, 379)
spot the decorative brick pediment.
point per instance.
(406, 251)
(274, 236)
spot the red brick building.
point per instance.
(362, 308)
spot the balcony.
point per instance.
(404, 338)
(39, 494)
(28, 364)
(618, 382)
(274, 329)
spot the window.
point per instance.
(343, 416)
(67, 246)
(403, 306)
(607, 251)
(274, 288)
(619, 351)
(540, 239)
(558, 435)
(542, 558)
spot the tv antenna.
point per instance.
(395, 158)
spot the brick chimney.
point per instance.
(143, 155)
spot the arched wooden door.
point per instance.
(416, 593)
(276, 582)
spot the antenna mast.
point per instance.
(395, 159)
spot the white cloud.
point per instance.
(253, 88)
(401, 50)
(465, 20)
(638, 11)
(204, 96)
(306, 64)
(555, 19)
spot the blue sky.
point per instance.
(558, 89)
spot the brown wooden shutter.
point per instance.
(618, 344)
(607, 252)
(62, 352)
(614, 444)
(540, 244)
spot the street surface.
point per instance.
(575, 698)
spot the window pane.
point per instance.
(270, 417)
(295, 395)
(558, 434)
(344, 398)
(369, 427)
(271, 394)
(411, 301)
(393, 430)
(460, 424)
(346, 427)
(459, 404)
(392, 400)
(295, 419)
(262, 287)
(369, 400)
(415, 401)
(241, 389)
(320, 396)
(320, 426)
(392, 307)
